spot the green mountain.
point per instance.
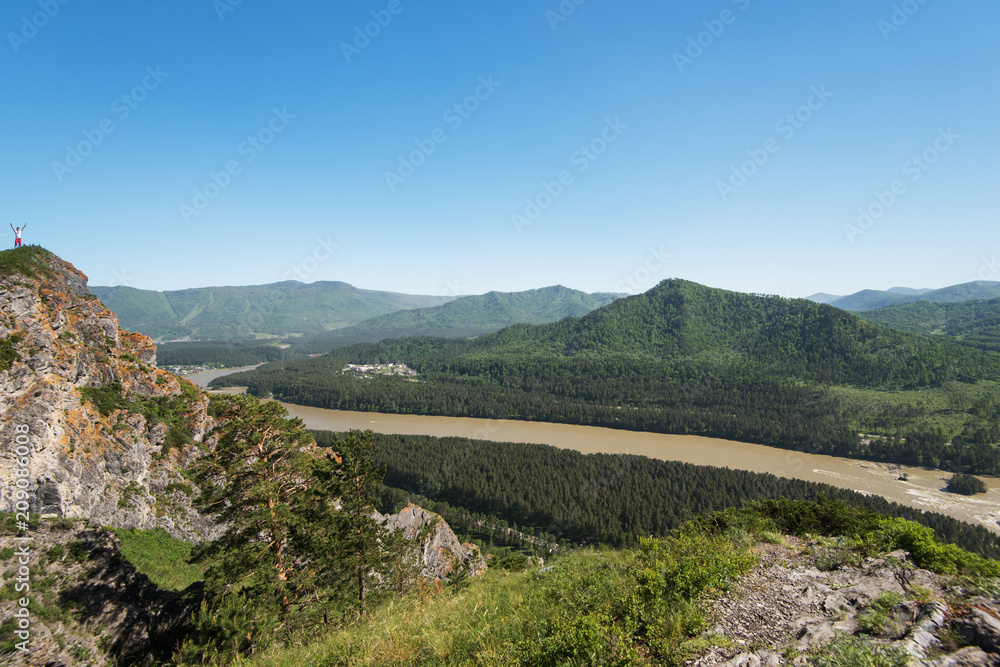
(465, 317)
(684, 358)
(873, 299)
(823, 297)
(972, 323)
(277, 309)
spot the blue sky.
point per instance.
(462, 147)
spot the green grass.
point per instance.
(29, 260)
(853, 651)
(160, 557)
(625, 607)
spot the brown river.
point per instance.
(922, 490)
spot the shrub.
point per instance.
(832, 557)
(967, 485)
(8, 353)
(874, 619)
(928, 553)
(106, 399)
(79, 550)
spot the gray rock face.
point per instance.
(440, 551)
(981, 627)
(104, 468)
(114, 609)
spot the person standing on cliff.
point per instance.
(17, 235)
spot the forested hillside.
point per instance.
(464, 317)
(866, 300)
(684, 358)
(971, 323)
(485, 487)
(225, 354)
(232, 313)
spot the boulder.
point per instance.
(439, 549)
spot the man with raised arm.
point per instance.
(17, 235)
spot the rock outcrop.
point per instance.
(89, 603)
(110, 465)
(794, 609)
(439, 550)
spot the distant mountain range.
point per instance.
(873, 299)
(465, 317)
(685, 358)
(234, 313)
(971, 323)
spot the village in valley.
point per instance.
(370, 370)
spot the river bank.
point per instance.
(922, 490)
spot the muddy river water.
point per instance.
(922, 490)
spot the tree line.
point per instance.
(563, 496)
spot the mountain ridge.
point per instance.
(242, 312)
(870, 299)
(465, 317)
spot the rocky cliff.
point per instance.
(437, 547)
(108, 433)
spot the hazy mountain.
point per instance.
(465, 317)
(909, 291)
(873, 299)
(276, 309)
(823, 297)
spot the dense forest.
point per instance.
(971, 323)
(482, 488)
(683, 358)
(226, 354)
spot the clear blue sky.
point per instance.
(183, 86)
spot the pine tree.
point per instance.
(365, 552)
(258, 482)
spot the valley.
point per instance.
(922, 490)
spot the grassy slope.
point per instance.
(29, 260)
(625, 607)
(160, 557)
